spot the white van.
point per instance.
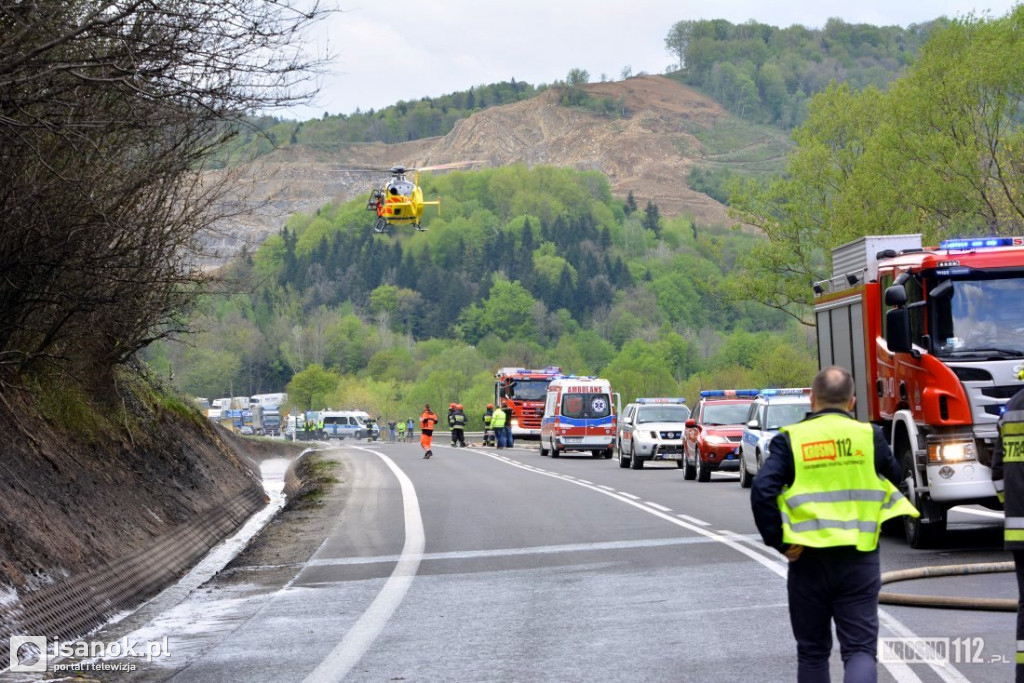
(578, 416)
(343, 424)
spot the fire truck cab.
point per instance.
(934, 337)
(578, 416)
(523, 391)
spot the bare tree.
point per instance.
(108, 111)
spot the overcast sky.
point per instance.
(389, 51)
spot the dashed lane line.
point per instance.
(900, 671)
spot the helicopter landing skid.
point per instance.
(381, 226)
(419, 228)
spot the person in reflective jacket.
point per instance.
(1008, 477)
(820, 498)
(488, 433)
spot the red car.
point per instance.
(711, 441)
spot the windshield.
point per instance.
(586, 405)
(979, 317)
(725, 413)
(528, 389)
(663, 414)
(781, 415)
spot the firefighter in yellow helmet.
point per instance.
(820, 499)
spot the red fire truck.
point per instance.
(524, 391)
(934, 337)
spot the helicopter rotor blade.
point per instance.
(442, 167)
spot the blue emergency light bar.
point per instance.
(660, 400)
(806, 391)
(729, 393)
(982, 243)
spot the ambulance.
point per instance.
(578, 416)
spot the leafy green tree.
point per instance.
(577, 77)
(508, 310)
(678, 40)
(935, 154)
(640, 370)
(209, 372)
(310, 388)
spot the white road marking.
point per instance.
(531, 550)
(346, 654)
(693, 520)
(658, 507)
(898, 670)
(606, 488)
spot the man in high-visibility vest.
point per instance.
(1008, 477)
(498, 425)
(820, 499)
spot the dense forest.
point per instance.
(525, 267)
(768, 74)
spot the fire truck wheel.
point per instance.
(689, 471)
(920, 535)
(608, 453)
(635, 462)
(703, 473)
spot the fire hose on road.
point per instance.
(943, 601)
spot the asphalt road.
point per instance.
(502, 565)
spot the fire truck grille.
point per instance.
(530, 421)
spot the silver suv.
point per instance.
(651, 429)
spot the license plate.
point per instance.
(572, 439)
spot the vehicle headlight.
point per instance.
(713, 440)
(951, 451)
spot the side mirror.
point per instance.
(895, 296)
(691, 423)
(752, 424)
(942, 290)
(897, 329)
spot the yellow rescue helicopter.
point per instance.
(400, 201)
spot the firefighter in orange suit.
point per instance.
(427, 421)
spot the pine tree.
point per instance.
(652, 218)
(630, 206)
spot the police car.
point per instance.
(772, 410)
(651, 429)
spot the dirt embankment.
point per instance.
(140, 486)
